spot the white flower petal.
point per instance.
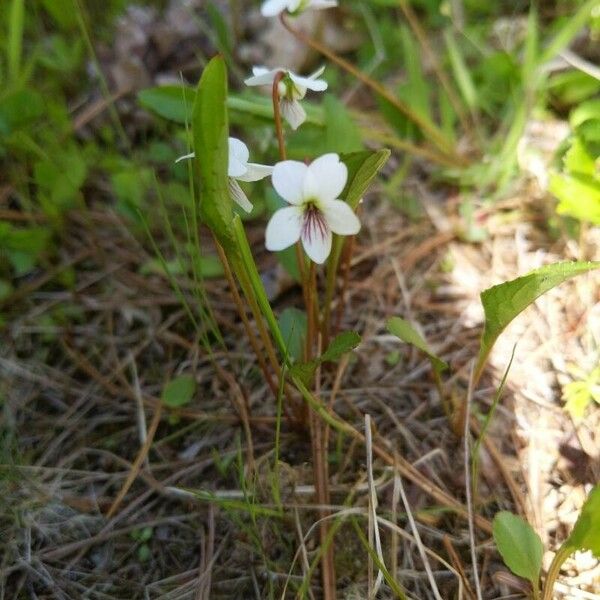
(284, 228)
(310, 82)
(238, 158)
(326, 178)
(262, 76)
(292, 112)
(238, 195)
(272, 8)
(255, 172)
(186, 156)
(238, 149)
(317, 243)
(321, 4)
(340, 217)
(288, 180)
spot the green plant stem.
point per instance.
(428, 128)
(242, 312)
(557, 562)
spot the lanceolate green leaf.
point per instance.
(502, 303)
(586, 533)
(210, 131)
(405, 331)
(519, 545)
(362, 168)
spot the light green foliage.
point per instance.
(579, 393)
(178, 391)
(341, 132)
(577, 186)
(172, 102)
(405, 331)
(210, 132)
(503, 302)
(586, 533)
(519, 545)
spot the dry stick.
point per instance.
(242, 312)
(458, 565)
(466, 434)
(427, 127)
(413, 21)
(137, 464)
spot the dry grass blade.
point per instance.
(137, 464)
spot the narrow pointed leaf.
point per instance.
(404, 330)
(503, 302)
(210, 132)
(586, 533)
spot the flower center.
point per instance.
(314, 222)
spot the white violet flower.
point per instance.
(315, 212)
(271, 8)
(239, 169)
(291, 88)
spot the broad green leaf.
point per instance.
(519, 545)
(210, 132)
(586, 533)
(341, 133)
(173, 102)
(178, 391)
(578, 195)
(578, 160)
(403, 329)
(292, 323)
(340, 345)
(584, 112)
(503, 302)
